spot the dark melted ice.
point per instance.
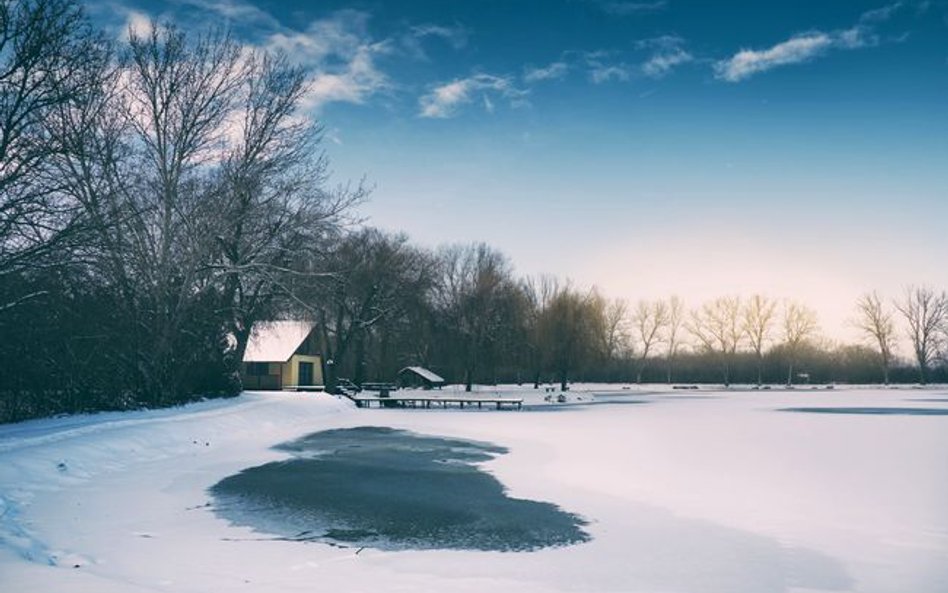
(391, 489)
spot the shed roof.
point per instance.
(424, 373)
(276, 341)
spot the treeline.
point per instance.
(163, 194)
(461, 311)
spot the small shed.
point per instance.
(282, 355)
(419, 377)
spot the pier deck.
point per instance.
(426, 401)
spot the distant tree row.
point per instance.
(462, 311)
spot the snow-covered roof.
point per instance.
(423, 372)
(276, 341)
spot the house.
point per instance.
(282, 355)
(419, 377)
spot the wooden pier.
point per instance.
(426, 401)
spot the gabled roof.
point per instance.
(423, 372)
(276, 341)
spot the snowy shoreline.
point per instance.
(676, 492)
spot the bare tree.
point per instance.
(475, 295)
(49, 57)
(676, 319)
(271, 203)
(616, 334)
(926, 314)
(649, 320)
(539, 292)
(876, 321)
(759, 316)
(799, 325)
(373, 274)
(566, 332)
(717, 328)
(206, 193)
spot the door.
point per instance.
(306, 373)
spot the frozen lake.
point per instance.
(698, 491)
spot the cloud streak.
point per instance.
(668, 52)
(445, 100)
(629, 8)
(804, 47)
(554, 71)
(341, 55)
(796, 50)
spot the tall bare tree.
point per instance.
(539, 292)
(676, 319)
(566, 329)
(617, 329)
(926, 316)
(49, 60)
(799, 325)
(759, 315)
(372, 274)
(716, 326)
(272, 203)
(475, 295)
(877, 322)
(650, 320)
(207, 195)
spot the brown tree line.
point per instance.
(463, 312)
(161, 195)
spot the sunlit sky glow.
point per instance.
(799, 149)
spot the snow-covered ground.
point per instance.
(694, 491)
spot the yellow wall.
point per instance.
(291, 369)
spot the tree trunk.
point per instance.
(358, 373)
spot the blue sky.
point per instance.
(649, 147)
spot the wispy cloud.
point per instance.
(444, 100)
(749, 62)
(412, 41)
(804, 47)
(137, 23)
(603, 73)
(668, 52)
(664, 62)
(456, 35)
(236, 10)
(357, 80)
(554, 71)
(603, 67)
(344, 59)
(628, 7)
(341, 55)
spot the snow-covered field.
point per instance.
(697, 491)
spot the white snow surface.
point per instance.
(698, 491)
